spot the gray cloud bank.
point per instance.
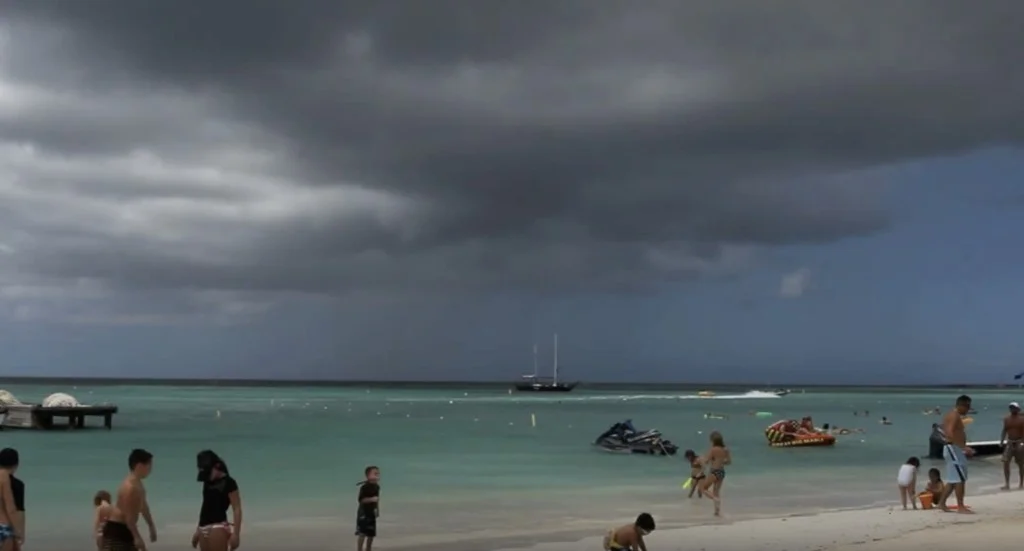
(235, 149)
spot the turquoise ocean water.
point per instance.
(467, 462)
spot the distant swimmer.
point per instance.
(885, 421)
(121, 532)
(631, 536)
(956, 452)
(716, 460)
(838, 431)
(1012, 440)
(715, 416)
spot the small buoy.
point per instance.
(533, 420)
(442, 417)
(451, 401)
(218, 413)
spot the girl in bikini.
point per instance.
(101, 505)
(717, 458)
(220, 493)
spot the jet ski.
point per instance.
(625, 438)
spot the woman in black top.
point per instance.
(220, 492)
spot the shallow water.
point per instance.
(472, 454)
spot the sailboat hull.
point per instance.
(545, 387)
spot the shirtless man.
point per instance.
(956, 452)
(121, 532)
(1012, 440)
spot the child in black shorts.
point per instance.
(366, 517)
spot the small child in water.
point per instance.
(101, 505)
(631, 536)
(906, 479)
(696, 472)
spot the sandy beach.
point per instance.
(997, 518)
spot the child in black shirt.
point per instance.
(366, 517)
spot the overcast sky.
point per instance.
(728, 189)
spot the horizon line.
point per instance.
(184, 381)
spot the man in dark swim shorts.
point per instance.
(121, 532)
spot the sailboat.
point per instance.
(535, 383)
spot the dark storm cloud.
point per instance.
(326, 145)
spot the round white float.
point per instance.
(60, 400)
(8, 399)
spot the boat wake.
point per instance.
(752, 395)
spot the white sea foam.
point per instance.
(561, 398)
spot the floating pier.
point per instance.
(35, 416)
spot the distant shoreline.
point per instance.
(105, 381)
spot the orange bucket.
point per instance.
(926, 500)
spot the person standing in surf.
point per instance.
(101, 508)
(717, 458)
(1012, 440)
(11, 517)
(18, 491)
(220, 492)
(121, 532)
(956, 452)
(369, 509)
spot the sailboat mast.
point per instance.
(556, 360)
